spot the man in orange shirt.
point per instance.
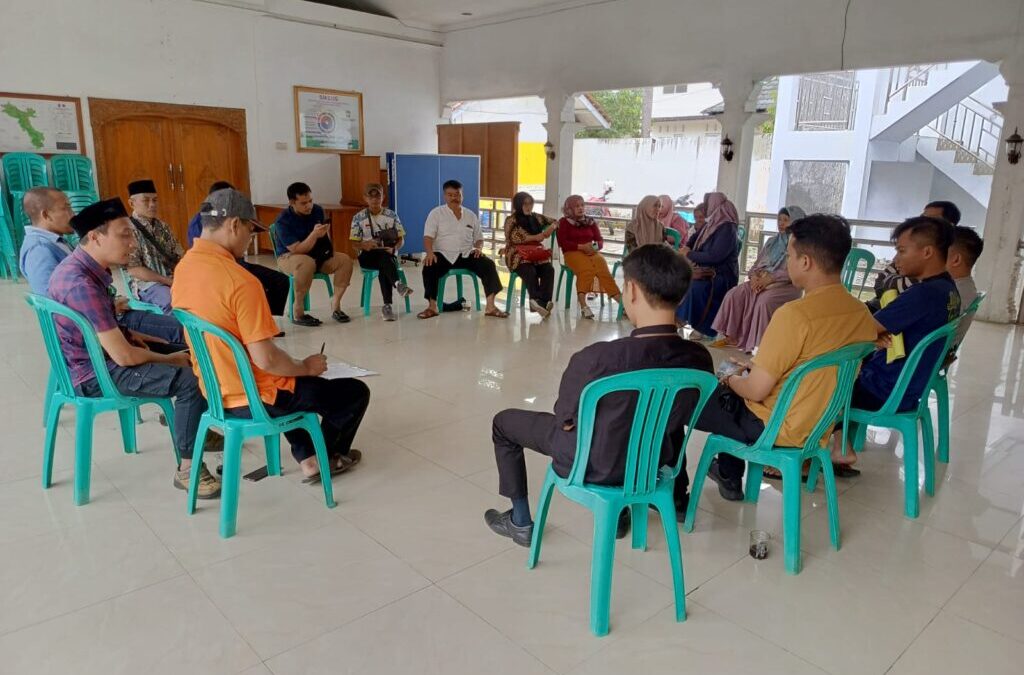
(209, 283)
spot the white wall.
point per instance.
(898, 190)
(182, 51)
(529, 111)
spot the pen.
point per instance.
(322, 347)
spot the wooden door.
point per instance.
(207, 152)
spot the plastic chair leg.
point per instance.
(408, 305)
(229, 481)
(51, 389)
(313, 429)
(364, 299)
(928, 455)
(667, 510)
(197, 462)
(638, 515)
(942, 396)
(51, 421)
(476, 291)
(83, 453)
(440, 291)
(510, 291)
(542, 518)
(791, 513)
(273, 445)
(831, 497)
(697, 487)
(291, 297)
(752, 488)
(605, 523)
(812, 473)
(127, 418)
(911, 503)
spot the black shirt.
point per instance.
(661, 348)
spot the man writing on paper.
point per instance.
(211, 285)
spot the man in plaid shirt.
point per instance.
(138, 365)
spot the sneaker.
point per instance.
(403, 290)
(731, 489)
(388, 313)
(307, 320)
(586, 312)
(340, 316)
(537, 308)
(501, 523)
(209, 487)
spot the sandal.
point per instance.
(427, 314)
(844, 471)
(496, 313)
(339, 465)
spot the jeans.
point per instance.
(156, 325)
(341, 405)
(158, 295)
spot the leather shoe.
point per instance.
(501, 523)
(625, 522)
(731, 489)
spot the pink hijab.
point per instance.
(672, 220)
(719, 211)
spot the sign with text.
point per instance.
(327, 120)
(43, 124)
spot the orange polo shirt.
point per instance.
(209, 283)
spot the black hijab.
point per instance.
(531, 223)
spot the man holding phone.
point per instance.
(303, 246)
(211, 286)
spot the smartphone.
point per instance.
(727, 368)
(258, 474)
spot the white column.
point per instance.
(998, 272)
(734, 176)
(561, 127)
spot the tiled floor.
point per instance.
(404, 577)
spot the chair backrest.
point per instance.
(127, 281)
(973, 307)
(72, 172)
(200, 334)
(656, 391)
(675, 236)
(943, 335)
(846, 360)
(272, 233)
(857, 259)
(79, 199)
(23, 171)
(47, 311)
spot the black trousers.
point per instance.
(341, 405)
(275, 285)
(539, 279)
(384, 263)
(727, 415)
(483, 267)
(512, 430)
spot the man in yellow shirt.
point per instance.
(825, 319)
(210, 284)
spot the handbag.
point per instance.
(533, 252)
(388, 236)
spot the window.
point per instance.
(674, 89)
(816, 186)
(826, 102)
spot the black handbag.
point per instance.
(388, 236)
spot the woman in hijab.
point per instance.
(713, 252)
(580, 239)
(747, 309)
(525, 234)
(671, 220)
(645, 228)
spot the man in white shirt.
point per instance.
(453, 239)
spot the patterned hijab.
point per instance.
(569, 207)
(646, 229)
(719, 211)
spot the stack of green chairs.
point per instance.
(110, 399)
(907, 422)
(859, 261)
(646, 482)
(789, 461)
(72, 173)
(236, 429)
(9, 250)
(291, 280)
(22, 172)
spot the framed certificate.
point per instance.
(47, 125)
(327, 120)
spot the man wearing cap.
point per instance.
(212, 287)
(81, 282)
(46, 245)
(377, 234)
(303, 245)
(157, 251)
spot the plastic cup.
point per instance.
(759, 544)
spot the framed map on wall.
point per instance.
(43, 124)
(327, 120)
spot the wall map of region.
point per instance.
(42, 125)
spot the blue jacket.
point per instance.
(41, 251)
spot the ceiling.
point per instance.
(438, 14)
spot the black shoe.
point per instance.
(279, 334)
(731, 489)
(340, 316)
(307, 320)
(681, 503)
(501, 523)
(625, 521)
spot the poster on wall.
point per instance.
(327, 120)
(43, 124)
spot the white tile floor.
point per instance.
(403, 576)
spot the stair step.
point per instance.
(983, 169)
(945, 144)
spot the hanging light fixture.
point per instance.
(727, 153)
(1013, 144)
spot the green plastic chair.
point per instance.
(369, 277)
(646, 482)
(237, 429)
(789, 461)
(110, 398)
(568, 277)
(22, 172)
(675, 236)
(906, 423)
(859, 261)
(9, 250)
(133, 297)
(940, 386)
(291, 280)
(79, 199)
(510, 291)
(72, 173)
(458, 274)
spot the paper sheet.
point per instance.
(340, 369)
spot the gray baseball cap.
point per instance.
(230, 203)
